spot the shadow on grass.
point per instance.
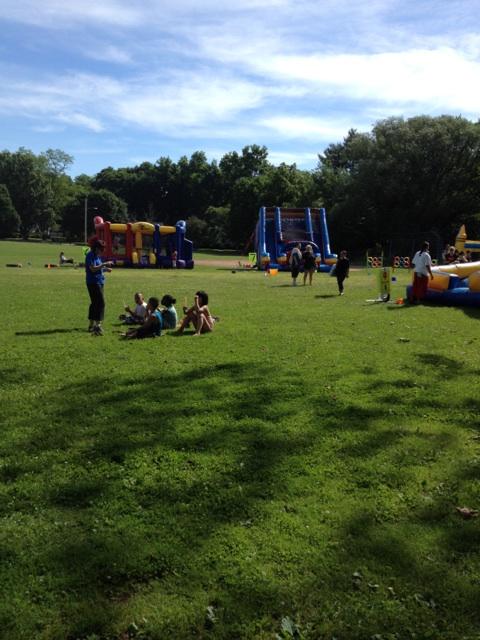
(473, 312)
(160, 466)
(163, 485)
(286, 285)
(47, 332)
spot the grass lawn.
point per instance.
(295, 474)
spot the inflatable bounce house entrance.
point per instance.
(280, 229)
(143, 244)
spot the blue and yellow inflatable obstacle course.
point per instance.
(280, 229)
(454, 285)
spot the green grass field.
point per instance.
(295, 474)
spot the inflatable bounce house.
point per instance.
(456, 284)
(279, 230)
(143, 244)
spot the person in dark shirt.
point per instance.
(309, 264)
(95, 269)
(341, 270)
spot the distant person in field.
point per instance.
(169, 313)
(95, 269)
(342, 269)
(199, 315)
(136, 315)
(152, 326)
(308, 264)
(422, 270)
(64, 260)
(295, 262)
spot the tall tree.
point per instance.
(30, 189)
(9, 218)
(404, 177)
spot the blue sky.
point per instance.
(116, 83)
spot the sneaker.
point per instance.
(97, 331)
(91, 329)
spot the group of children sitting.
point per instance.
(451, 256)
(149, 318)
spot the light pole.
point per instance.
(85, 217)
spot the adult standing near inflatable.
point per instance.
(295, 261)
(308, 264)
(422, 264)
(95, 268)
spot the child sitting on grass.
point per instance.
(151, 327)
(199, 315)
(169, 313)
(138, 315)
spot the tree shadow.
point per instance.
(144, 494)
(154, 486)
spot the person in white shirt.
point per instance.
(138, 314)
(422, 270)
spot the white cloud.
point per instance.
(109, 53)
(288, 157)
(188, 101)
(81, 120)
(309, 127)
(436, 79)
(443, 78)
(58, 14)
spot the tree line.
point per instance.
(404, 177)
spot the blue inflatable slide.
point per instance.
(280, 229)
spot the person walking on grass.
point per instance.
(308, 264)
(295, 261)
(342, 269)
(422, 264)
(95, 269)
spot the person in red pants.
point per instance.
(422, 263)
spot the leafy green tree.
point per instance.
(252, 162)
(247, 198)
(83, 180)
(30, 189)
(197, 232)
(9, 218)
(100, 202)
(404, 177)
(218, 228)
(286, 186)
(57, 161)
